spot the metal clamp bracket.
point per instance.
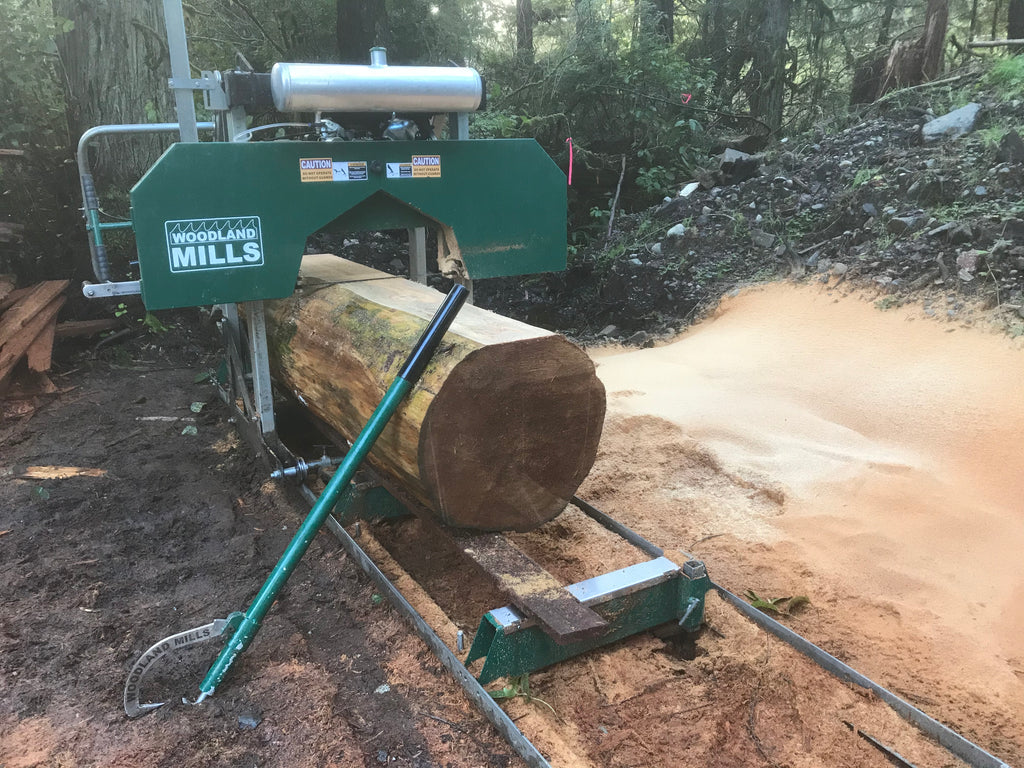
(108, 290)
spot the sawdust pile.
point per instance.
(802, 442)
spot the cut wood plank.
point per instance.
(23, 312)
(7, 284)
(40, 351)
(532, 589)
(49, 472)
(14, 296)
(16, 346)
(500, 431)
(72, 328)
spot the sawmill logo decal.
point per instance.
(197, 245)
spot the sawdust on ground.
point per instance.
(801, 443)
(807, 443)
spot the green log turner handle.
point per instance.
(403, 383)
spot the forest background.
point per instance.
(646, 89)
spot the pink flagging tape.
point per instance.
(569, 142)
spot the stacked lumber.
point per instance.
(28, 326)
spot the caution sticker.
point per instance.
(315, 169)
(400, 170)
(349, 171)
(326, 169)
(426, 166)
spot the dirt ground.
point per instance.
(182, 528)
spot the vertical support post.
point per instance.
(458, 130)
(234, 119)
(181, 73)
(458, 126)
(263, 393)
(467, 283)
(418, 254)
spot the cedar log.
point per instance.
(502, 427)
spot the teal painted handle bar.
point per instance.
(400, 387)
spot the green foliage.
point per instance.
(149, 321)
(153, 324)
(29, 86)
(863, 176)
(781, 605)
(740, 226)
(36, 185)
(519, 687)
(264, 32)
(494, 124)
(641, 234)
(1007, 77)
(613, 87)
(655, 180)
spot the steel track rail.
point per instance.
(476, 693)
(966, 750)
(956, 744)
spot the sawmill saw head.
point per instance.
(220, 222)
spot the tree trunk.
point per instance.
(712, 43)
(653, 17)
(524, 32)
(116, 69)
(933, 42)
(767, 89)
(974, 21)
(502, 428)
(1015, 23)
(666, 19)
(362, 24)
(912, 63)
(885, 26)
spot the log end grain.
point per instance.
(512, 434)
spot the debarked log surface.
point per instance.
(499, 432)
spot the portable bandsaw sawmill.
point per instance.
(225, 222)
(488, 425)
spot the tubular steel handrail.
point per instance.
(90, 200)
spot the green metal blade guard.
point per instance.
(228, 222)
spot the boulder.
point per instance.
(900, 225)
(1011, 148)
(737, 166)
(952, 124)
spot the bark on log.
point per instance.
(502, 428)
